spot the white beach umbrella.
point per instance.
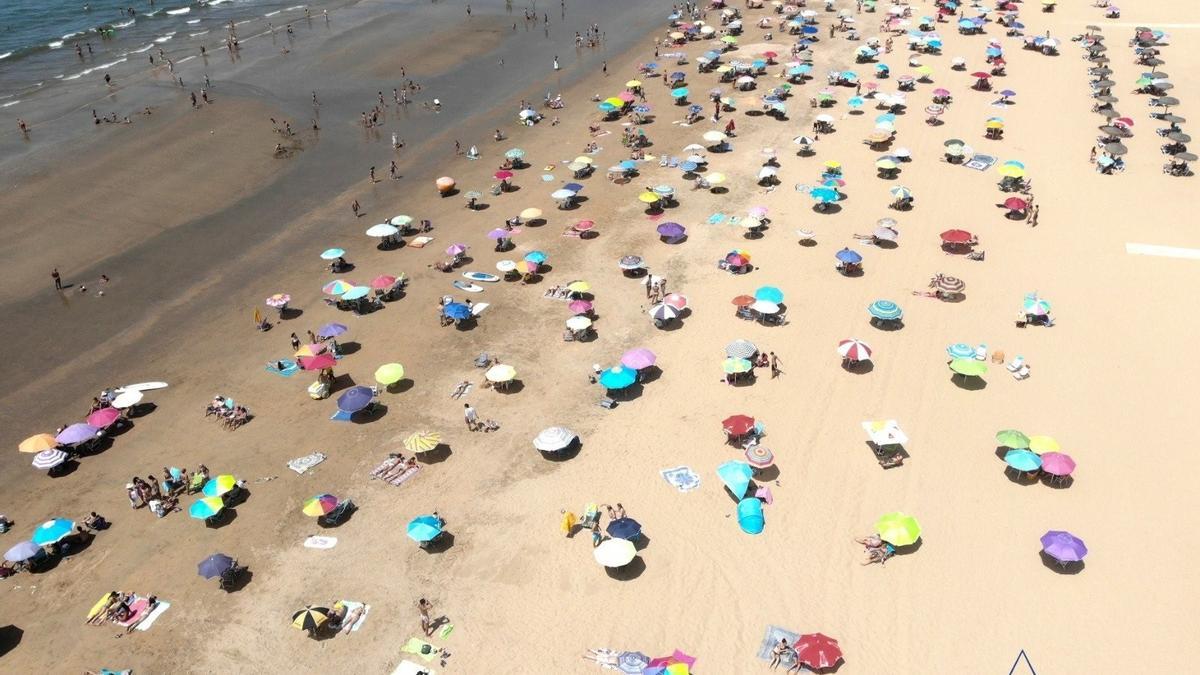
(553, 439)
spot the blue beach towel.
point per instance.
(289, 368)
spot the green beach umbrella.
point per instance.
(731, 366)
(1011, 438)
(898, 529)
(968, 367)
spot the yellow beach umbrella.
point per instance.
(1041, 444)
(501, 372)
(422, 441)
(898, 529)
(531, 213)
(724, 69)
(1011, 171)
(633, 83)
(579, 287)
(715, 178)
(831, 164)
(885, 164)
(924, 71)
(714, 136)
(583, 159)
(389, 373)
(614, 101)
(310, 350)
(995, 124)
(648, 197)
(38, 443)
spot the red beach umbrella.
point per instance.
(956, 236)
(584, 225)
(676, 300)
(743, 300)
(503, 175)
(817, 651)
(980, 75)
(738, 425)
(383, 281)
(1015, 203)
(318, 362)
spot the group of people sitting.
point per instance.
(119, 609)
(163, 497)
(878, 550)
(230, 414)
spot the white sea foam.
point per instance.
(93, 69)
(125, 24)
(193, 21)
(5, 105)
(68, 36)
(164, 38)
(55, 45)
(296, 7)
(273, 13)
(182, 10)
(143, 49)
(5, 55)
(203, 32)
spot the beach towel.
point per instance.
(421, 648)
(320, 543)
(546, 178)
(981, 162)
(99, 605)
(410, 668)
(158, 611)
(403, 478)
(302, 464)
(351, 606)
(774, 634)
(716, 218)
(550, 167)
(136, 609)
(445, 631)
(341, 416)
(419, 242)
(289, 368)
(682, 477)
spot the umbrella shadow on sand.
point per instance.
(370, 414)
(1056, 482)
(629, 572)
(10, 637)
(511, 387)
(649, 374)
(239, 581)
(348, 348)
(225, 517)
(566, 453)
(289, 313)
(642, 542)
(1059, 567)
(858, 367)
(401, 386)
(968, 383)
(444, 542)
(440, 453)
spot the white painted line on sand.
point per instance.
(1163, 251)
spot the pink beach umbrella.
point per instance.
(104, 417)
(456, 249)
(758, 212)
(1053, 463)
(676, 300)
(580, 306)
(584, 225)
(383, 281)
(941, 92)
(638, 358)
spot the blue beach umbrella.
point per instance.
(695, 109)
(357, 398)
(750, 515)
(849, 75)
(537, 257)
(712, 56)
(736, 476)
(214, 565)
(758, 64)
(810, 30)
(1023, 460)
(796, 71)
(618, 377)
(424, 529)
(886, 310)
(356, 292)
(769, 293)
(206, 508)
(628, 164)
(606, 107)
(677, 76)
(641, 109)
(856, 102)
(52, 531)
(625, 528)
(824, 195)
(457, 311)
(688, 167)
(848, 256)
(333, 253)
(961, 350)
(886, 117)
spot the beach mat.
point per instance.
(320, 543)
(136, 609)
(682, 478)
(403, 478)
(419, 242)
(99, 605)
(716, 219)
(159, 610)
(289, 368)
(774, 634)
(981, 162)
(302, 464)
(410, 668)
(416, 645)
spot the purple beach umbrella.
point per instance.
(499, 233)
(1008, 92)
(671, 230)
(77, 433)
(1063, 546)
(638, 358)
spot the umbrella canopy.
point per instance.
(632, 663)
(958, 236)
(424, 529)
(22, 552)
(760, 456)
(318, 362)
(104, 417)
(968, 367)
(898, 529)
(531, 214)
(38, 443)
(389, 374)
(401, 220)
(219, 485)
(854, 349)
(356, 293)
(355, 399)
(671, 230)
(615, 552)
(740, 349)
(333, 329)
(732, 366)
(1035, 305)
(382, 230)
(332, 253)
(961, 350)
(750, 516)
(206, 507)
(77, 433)
(736, 476)
(1023, 460)
(949, 284)
(319, 505)
(337, 287)
(457, 311)
(676, 300)
(1063, 546)
(579, 306)
(624, 528)
(663, 312)
(554, 439)
(1011, 438)
(422, 441)
(53, 531)
(638, 358)
(579, 287)
(1043, 444)
(885, 310)
(848, 256)
(631, 262)
(1058, 464)
(278, 300)
(737, 425)
(714, 136)
(765, 307)
(502, 372)
(769, 294)
(817, 651)
(514, 153)
(310, 618)
(618, 377)
(48, 459)
(214, 565)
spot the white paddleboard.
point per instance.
(478, 308)
(142, 386)
(468, 287)
(481, 276)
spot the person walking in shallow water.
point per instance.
(57, 279)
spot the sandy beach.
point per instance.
(196, 223)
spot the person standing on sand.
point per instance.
(373, 175)
(354, 208)
(471, 417)
(1033, 216)
(57, 279)
(775, 371)
(556, 66)
(604, 68)
(295, 343)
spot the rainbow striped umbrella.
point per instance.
(319, 505)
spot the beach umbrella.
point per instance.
(1023, 460)
(355, 399)
(337, 287)
(624, 528)
(457, 311)
(898, 529)
(638, 358)
(401, 220)
(584, 225)
(714, 136)
(1035, 305)
(382, 230)
(1063, 546)
(958, 236)
(502, 372)
(885, 233)
(715, 178)
(854, 349)
(848, 256)
(741, 349)
(514, 153)
(968, 367)
(618, 377)
(317, 362)
(319, 505)
(676, 300)
(765, 307)
(648, 198)
(311, 350)
(733, 366)
(332, 253)
(554, 439)
(48, 459)
(579, 306)
(503, 175)
(1057, 464)
(206, 507)
(278, 300)
(22, 552)
(579, 286)
(38, 443)
(77, 433)
(633, 663)
(562, 194)
(219, 485)
(615, 552)
(456, 249)
(738, 425)
(357, 293)
(333, 329)
(531, 214)
(759, 456)
(900, 192)
(53, 531)
(422, 441)
(389, 374)
(886, 164)
(817, 651)
(381, 282)
(768, 293)
(633, 83)
(310, 618)
(663, 312)
(680, 92)
(750, 516)
(949, 284)
(1011, 438)
(1043, 444)
(424, 529)
(104, 417)
(885, 310)
(961, 350)
(736, 476)
(214, 565)
(1015, 204)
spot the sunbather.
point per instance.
(114, 597)
(778, 651)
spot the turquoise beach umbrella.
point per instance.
(206, 508)
(606, 107)
(856, 102)
(961, 350)
(1036, 305)
(680, 92)
(535, 257)
(769, 293)
(886, 310)
(1023, 460)
(824, 195)
(52, 531)
(515, 153)
(618, 377)
(750, 515)
(736, 476)
(424, 529)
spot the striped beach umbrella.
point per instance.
(886, 310)
(949, 284)
(337, 287)
(760, 456)
(310, 618)
(740, 349)
(663, 312)
(422, 441)
(854, 349)
(817, 651)
(219, 485)
(961, 350)
(1035, 305)
(278, 300)
(206, 508)
(48, 459)
(319, 505)
(553, 439)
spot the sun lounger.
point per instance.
(607, 403)
(1021, 374)
(1016, 364)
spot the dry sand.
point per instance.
(521, 596)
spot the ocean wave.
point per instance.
(77, 33)
(215, 2)
(164, 38)
(5, 105)
(89, 71)
(143, 49)
(192, 21)
(289, 9)
(182, 10)
(203, 32)
(5, 55)
(125, 24)
(273, 13)
(55, 45)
